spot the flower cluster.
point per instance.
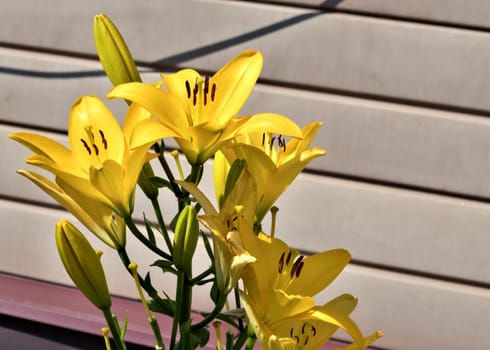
(255, 158)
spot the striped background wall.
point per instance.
(403, 90)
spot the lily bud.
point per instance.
(83, 264)
(150, 190)
(113, 52)
(185, 238)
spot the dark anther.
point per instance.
(306, 340)
(86, 146)
(296, 338)
(206, 85)
(188, 88)
(282, 143)
(300, 267)
(303, 328)
(272, 142)
(296, 263)
(263, 139)
(235, 218)
(291, 333)
(213, 92)
(314, 330)
(104, 141)
(281, 262)
(196, 90)
(288, 257)
(96, 149)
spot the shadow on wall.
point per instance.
(331, 3)
(236, 40)
(173, 60)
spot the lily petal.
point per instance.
(88, 219)
(159, 103)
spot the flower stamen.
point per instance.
(104, 141)
(281, 263)
(89, 151)
(303, 338)
(188, 88)
(213, 92)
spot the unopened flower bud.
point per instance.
(113, 52)
(82, 263)
(148, 187)
(185, 239)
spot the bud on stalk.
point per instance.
(185, 238)
(113, 52)
(82, 263)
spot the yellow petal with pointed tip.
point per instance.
(159, 103)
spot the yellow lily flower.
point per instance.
(228, 226)
(273, 163)
(202, 111)
(102, 164)
(278, 295)
(293, 322)
(284, 268)
(98, 218)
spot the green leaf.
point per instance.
(160, 182)
(165, 265)
(200, 337)
(162, 306)
(151, 235)
(124, 326)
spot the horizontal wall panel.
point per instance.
(390, 302)
(446, 11)
(399, 228)
(389, 142)
(416, 313)
(417, 62)
(383, 141)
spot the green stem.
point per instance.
(141, 237)
(161, 223)
(240, 341)
(196, 174)
(151, 319)
(251, 338)
(149, 289)
(170, 176)
(238, 305)
(116, 334)
(250, 343)
(212, 315)
(178, 307)
(201, 276)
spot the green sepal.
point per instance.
(233, 175)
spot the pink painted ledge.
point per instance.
(66, 307)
